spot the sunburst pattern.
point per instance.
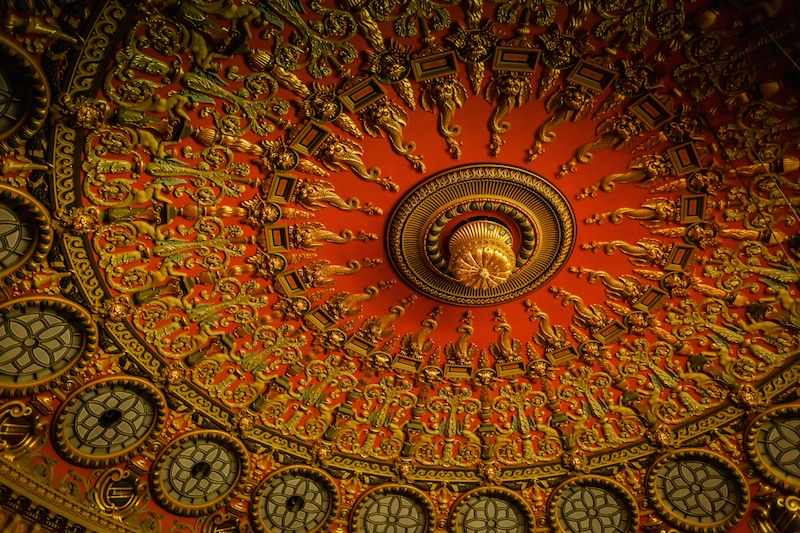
(257, 204)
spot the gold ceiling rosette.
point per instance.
(430, 243)
(481, 256)
(398, 266)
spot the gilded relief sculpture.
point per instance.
(236, 297)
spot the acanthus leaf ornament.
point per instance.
(571, 102)
(338, 153)
(645, 170)
(386, 117)
(619, 132)
(508, 90)
(444, 95)
(232, 264)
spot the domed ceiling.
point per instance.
(399, 266)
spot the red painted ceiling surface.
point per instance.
(737, 31)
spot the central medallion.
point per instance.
(481, 234)
(481, 255)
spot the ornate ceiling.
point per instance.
(399, 266)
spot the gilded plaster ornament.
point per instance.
(201, 238)
(392, 66)
(624, 288)
(474, 45)
(386, 117)
(560, 51)
(654, 212)
(507, 90)
(619, 132)
(571, 102)
(443, 96)
(481, 256)
(645, 171)
(338, 153)
(312, 194)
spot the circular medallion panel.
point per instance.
(24, 94)
(108, 421)
(773, 443)
(497, 510)
(40, 340)
(698, 491)
(25, 234)
(393, 509)
(196, 473)
(536, 214)
(295, 499)
(593, 504)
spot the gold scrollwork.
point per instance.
(119, 492)
(21, 429)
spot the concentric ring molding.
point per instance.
(512, 188)
(186, 449)
(521, 218)
(32, 215)
(56, 317)
(37, 90)
(360, 512)
(69, 443)
(726, 472)
(268, 485)
(560, 522)
(759, 443)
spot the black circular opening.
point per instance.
(295, 503)
(201, 470)
(110, 417)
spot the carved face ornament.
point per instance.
(511, 84)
